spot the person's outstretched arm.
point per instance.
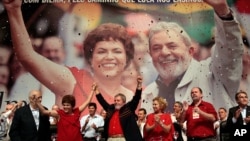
(228, 48)
(137, 97)
(105, 105)
(42, 109)
(85, 104)
(220, 7)
(56, 77)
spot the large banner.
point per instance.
(58, 29)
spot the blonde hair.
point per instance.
(162, 102)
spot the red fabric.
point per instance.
(243, 6)
(157, 133)
(200, 127)
(68, 126)
(115, 127)
(85, 82)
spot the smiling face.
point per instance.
(118, 102)
(92, 110)
(67, 108)
(53, 49)
(156, 106)
(170, 55)
(68, 103)
(108, 49)
(141, 115)
(109, 58)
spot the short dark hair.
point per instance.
(198, 89)
(92, 104)
(179, 103)
(107, 32)
(144, 110)
(122, 96)
(240, 92)
(69, 99)
(222, 108)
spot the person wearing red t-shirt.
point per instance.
(68, 125)
(159, 125)
(200, 117)
(120, 122)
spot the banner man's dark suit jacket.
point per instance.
(23, 127)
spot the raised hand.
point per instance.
(139, 79)
(12, 4)
(94, 86)
(139, 82)
(19, 103)
(93, 126)
(157, 119)
(185, 105)
(220, 6)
